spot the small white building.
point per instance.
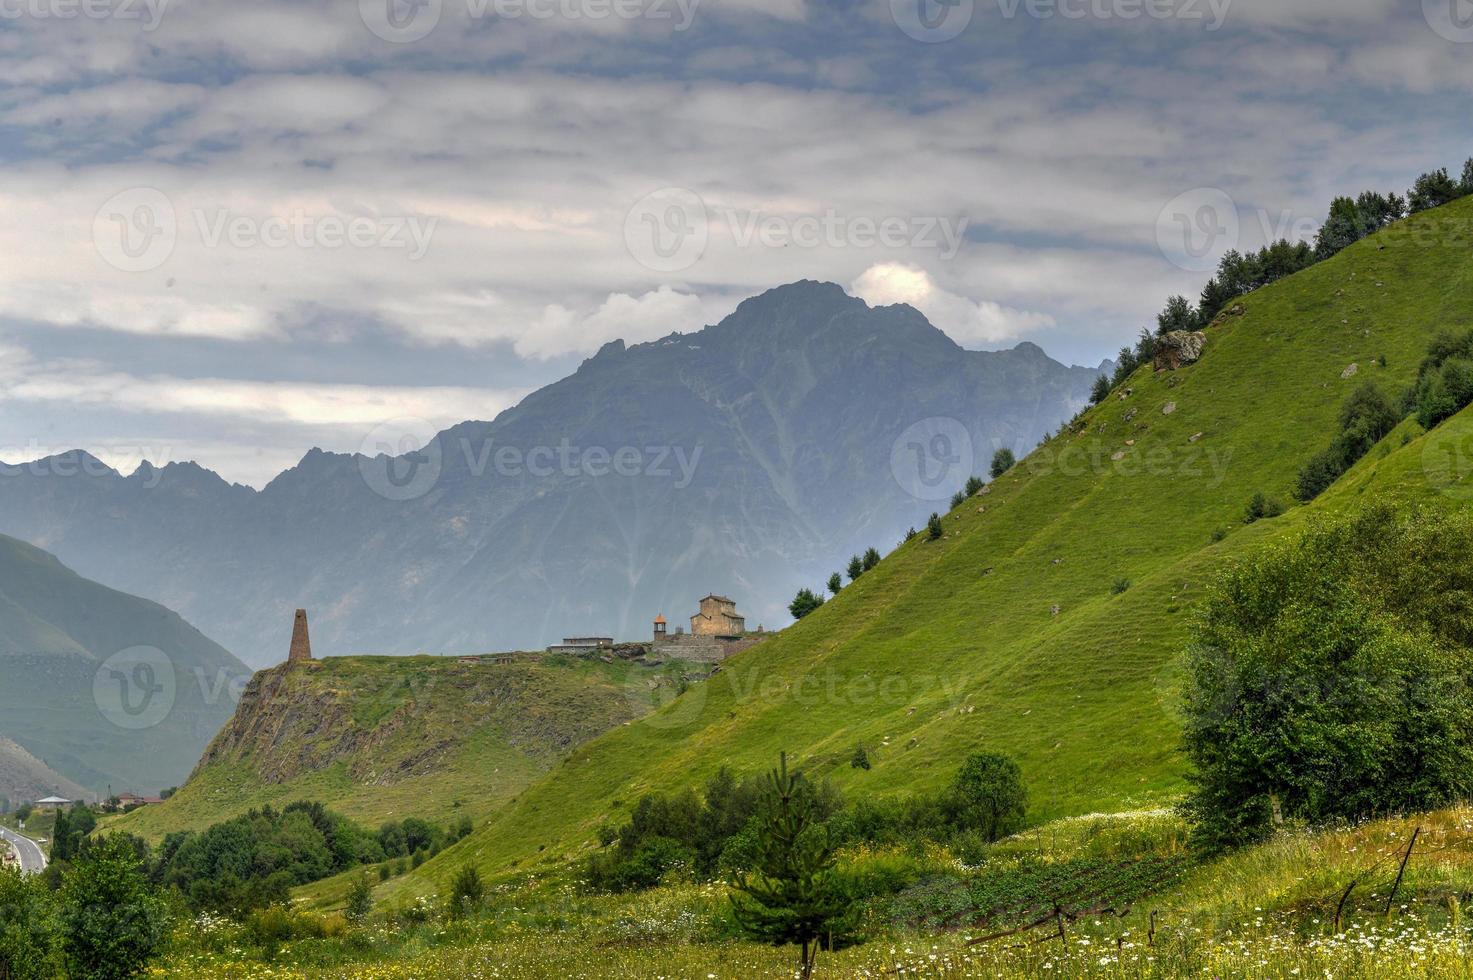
(52, 803)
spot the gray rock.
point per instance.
(1350, 372)
(1179, 348)
(1168, 408)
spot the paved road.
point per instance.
(31, 858)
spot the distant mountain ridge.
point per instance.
(102, 687)
(748, 458)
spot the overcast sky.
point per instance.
(232, 231)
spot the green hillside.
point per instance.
(104, 688)
(380, 738)
(1008, 634)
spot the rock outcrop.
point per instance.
(1179, 348)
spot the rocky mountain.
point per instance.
(748, 458)
(101, 687)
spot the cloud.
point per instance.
(969, 323)
(633, 319)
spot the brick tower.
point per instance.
(301, 643)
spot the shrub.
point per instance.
(935, 528)
(871, 559)
(1261, 506)
(805, 602)
(113, 921)
(958, 499)
(28, 927)
(360, 899)
(860, 759)
(1121, 586)
(1366, 418)
(1002, 461)
(974, 485)
(467, 892)
(1332, 678)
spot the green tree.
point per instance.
(836, 583)
(988, 796)
(1329, 678)
(467, 892)
(27, 927)
(1466, 184)
(1178, 315)
(957, 499)
(856, 568)
(360, 898)
(1434, 190)
(1344, 227)
(1101, 390)
(23, 813)
(860, 759)
(61, 837)
(113, 921)
(974, 485)
(1002, 461)
(871, 558)
(935, 528)
(804, 603)
(791, 896)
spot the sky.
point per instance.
(235, 231)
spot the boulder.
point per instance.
(1168, 408)
(1350, 372)
(1179, 348)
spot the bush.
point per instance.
(987, 796)
(360, 899)
(1366, 418)
(958, 499)
(871, 559)
(1121, 586)
(860, 759)
(805, 602)
(935, 528)
(1002, 461)
(974, 485)
(1262, 507)
(467, 892)
(28, 927)
(113, 921)
(1331, 678)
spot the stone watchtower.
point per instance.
(661, 631)
(301, 650)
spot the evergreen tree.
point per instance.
(856, 568)
(1101, 390)
(804, 603)
(871, 558)
(836, 582)
(1002, 461)
(974, 485)
(1341, 230)
(935, 528)
(791, 896)
(1178, 315)
(1466, 185)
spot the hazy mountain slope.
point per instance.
(137, 723)
(23, 777)
(1008, 634)
(760, 458)
(379, 738)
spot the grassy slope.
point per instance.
(932, 656)
(386, 737)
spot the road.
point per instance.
(31, 858)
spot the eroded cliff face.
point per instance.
(383, 736)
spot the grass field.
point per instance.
(1253, 914)
(1008, 634)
